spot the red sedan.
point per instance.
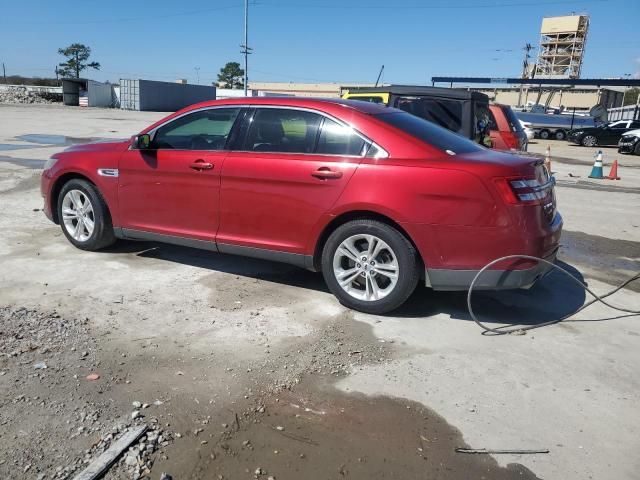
(373, 197)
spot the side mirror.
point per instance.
(141, 142)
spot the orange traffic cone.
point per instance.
(613, 174)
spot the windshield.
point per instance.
(430, 133)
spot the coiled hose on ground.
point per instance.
(596, 297)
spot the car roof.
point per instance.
(419, 90)
(300, 102)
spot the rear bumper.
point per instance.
(440, 279)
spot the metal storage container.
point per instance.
(153, 96)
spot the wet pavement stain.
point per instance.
(24, 162)
(319, 433)
(62, 140)
(8, 147)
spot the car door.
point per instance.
(173, 188)
(613, 132)
(290, 169)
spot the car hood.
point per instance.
(101, 146)
(635, 133)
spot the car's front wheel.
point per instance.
(589, 141)
(636, 150)
(370, 266)
(84, 216)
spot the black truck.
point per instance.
(460, 111)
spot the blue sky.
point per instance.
(309, 41)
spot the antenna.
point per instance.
(379, 75)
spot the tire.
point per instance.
(636, 150)
(589, 141)
(544, 134)
(392, 252)
(560, 135)
(80, 197)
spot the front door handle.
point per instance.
(325, 173)
(201, 165)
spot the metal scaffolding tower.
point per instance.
(562, 42)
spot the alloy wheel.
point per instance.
(589, 141)
(366, 267)
(77, 215)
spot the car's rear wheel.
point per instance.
(84, 216)
(544, 134)
(589, 141)
(370, 266)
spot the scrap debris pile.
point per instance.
(23, 95)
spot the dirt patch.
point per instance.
(316, 433)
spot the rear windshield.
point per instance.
(514, 123)
(429, 132)
(441, 111)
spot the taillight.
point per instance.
(527, 191)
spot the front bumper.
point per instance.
(574, 138)
(626, 147)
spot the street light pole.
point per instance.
(246, 45)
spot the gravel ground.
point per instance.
(223, 350)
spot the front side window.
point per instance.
(336, 139)
(282, 130)
(203, 130)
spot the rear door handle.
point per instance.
(325, 173)
(201, 165)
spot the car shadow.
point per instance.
(232, 264)
(552, 298)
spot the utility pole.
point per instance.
(246, 50)
(197, 69)
(4, 73)
(525, 69)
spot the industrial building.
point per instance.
(562, 43)
(582, 99)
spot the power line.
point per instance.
(428, 7)
(133, 19)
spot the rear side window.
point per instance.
(513, 121)
(336, 139)
(443, 112)
(483, 117)
(282, 130)
(429, 133)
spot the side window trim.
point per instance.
(241, 108)
(240, 141)
(239, 130)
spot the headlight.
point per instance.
(50, 163)
(577, 132)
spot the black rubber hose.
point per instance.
(596, 297)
